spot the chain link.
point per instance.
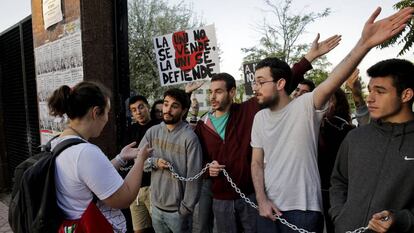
(359, 230)
(125, 168)
(252, 204)
(189, 179)
(246, 199)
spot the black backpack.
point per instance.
(33, 207)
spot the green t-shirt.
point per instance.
(219, 123)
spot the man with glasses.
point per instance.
(285, 136)
(224, 135)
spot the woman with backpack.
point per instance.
(89, 189)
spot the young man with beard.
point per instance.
(224, 134)
(174, 142)
(372, 181)
(284, 135)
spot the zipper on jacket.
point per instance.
(379, 174)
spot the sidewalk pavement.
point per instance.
(4, 224)
(4, 212)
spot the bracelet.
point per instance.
(120, 161)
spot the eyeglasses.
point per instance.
(260, 84)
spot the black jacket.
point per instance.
(374, 171)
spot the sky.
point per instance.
(12, 12)
(235, 22)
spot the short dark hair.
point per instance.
(342, 108)
(135, 98)
(227, 78)
(401, 71)
(76, 102)
(309, 83)
(278, 69)
(180, 96)
(152, 113)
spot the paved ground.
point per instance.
(4, 210)
(4, 224)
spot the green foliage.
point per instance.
(279, 37)
(148, 19)
(405, 37)
(317, 75)
(240, 92)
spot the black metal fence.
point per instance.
(18, 96)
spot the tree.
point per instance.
(148, 19)
(280, 39)
(240, 92)
(406, 38)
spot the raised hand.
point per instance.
(190, 87)
(375, 33)
(321, 48)
(353, 82)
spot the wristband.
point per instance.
(120, 161)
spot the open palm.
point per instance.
(375, 33)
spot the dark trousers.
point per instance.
(330, 228)
(308, 220)
(234, 216)
(203, 219)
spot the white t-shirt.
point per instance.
(80, 170)
(289, 140)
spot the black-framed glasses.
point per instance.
(260, 84)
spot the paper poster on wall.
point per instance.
(57, 63)
(187, 56)
(52, 12)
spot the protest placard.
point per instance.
(187, 56)
(248, 71)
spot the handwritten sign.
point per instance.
(187, 56)
(248, 71)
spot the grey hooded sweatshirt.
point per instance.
(374, 171)
(182, 149)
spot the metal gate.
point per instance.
(18, 98)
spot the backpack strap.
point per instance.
(59, 148)
(47, 146)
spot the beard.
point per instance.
(270, 102)
(223, 105)
(173, 120)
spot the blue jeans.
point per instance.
(233, 216)
(308, 220)
(166, 222)
(203, 213)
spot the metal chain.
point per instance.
(359, 230)
(252, 204)
(189, 179)
(125, 168)
(246, 199)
